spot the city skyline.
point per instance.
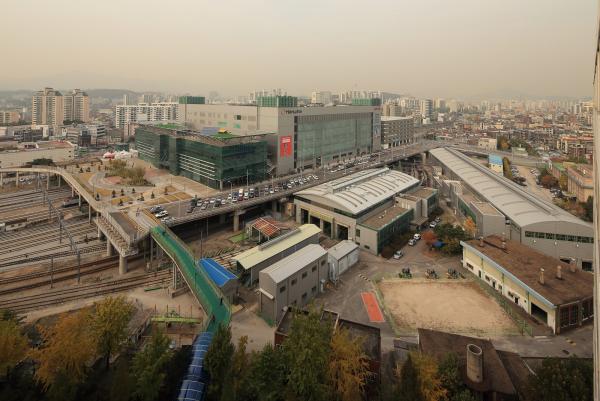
(429, 49)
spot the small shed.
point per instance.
(340, 258)
(223, 278)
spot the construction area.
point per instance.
(452, 306)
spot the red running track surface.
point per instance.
(372, 307)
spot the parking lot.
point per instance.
(532, 186)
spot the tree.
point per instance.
(506, 168)
(13, 345)
(109, 322)
(348, 367)
(450, 377)
(239, 370)
(561, 380)
(268, 374)
(588, 209)
(307, 352)
(148, 367)
(408, 386)
(218, 361)
(470, 226)
(122, 383)
(430, 384)
(114, 193)
(68, 346)
(429, 237)
(548, 181)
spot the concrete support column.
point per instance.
(274, 206)
(236, 222)
(48, 182)
(59, 179)
(109, 248)
(17, 180)
(1, 180)
(100, 234)
(72, 189)
(122, 264)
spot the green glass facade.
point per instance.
(328, 137)
(277, 101)
(210, 160)
(366, 102)
(399, 225)
(191, 100)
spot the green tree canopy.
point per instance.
(109, 322)
(148, 367)
(562, 380)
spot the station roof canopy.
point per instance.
(260, 253)
(217, 273)
(515, 203)
(359, 191)
(295, 262)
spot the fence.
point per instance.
(508, 307)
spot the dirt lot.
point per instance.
(458, 307)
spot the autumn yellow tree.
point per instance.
(430, 384)
(470, 226)
(109, 323)
(348, 369)
(68, 346)
(13, 345)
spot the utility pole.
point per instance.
(51, 270)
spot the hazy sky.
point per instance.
(448, 48)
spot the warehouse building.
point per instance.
(252, 261)
(292, 281)
(365, 207)
(215, 160)
(298, 137)
(529, 220)
(554, 292)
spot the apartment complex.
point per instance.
(299, 137)
(9, 117)
(215, 160)
(580, 181)
(145, 113)
(397, 131)
(50, 107)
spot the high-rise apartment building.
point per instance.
(47, 107)
(426, 108)
(9, 117)
(76, 106)
(145, 112)
(322, 97)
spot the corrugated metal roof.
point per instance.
(342, 249)
(217, 273)
(294, 263)
(260, 253)
(359, 191)
(518, 205)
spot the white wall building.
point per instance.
(145, 112)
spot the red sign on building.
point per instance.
(285, 146)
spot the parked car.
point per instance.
(412, 242)
(417, 237)
(156, 209)
(159, 215)
(398, 254)
(432, 224)
(437, 220)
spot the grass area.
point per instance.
(131, 175)
(238, 238)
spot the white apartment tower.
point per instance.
(77, 106)
(426, 108)
(47, 107)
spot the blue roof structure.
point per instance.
(217, 273)
(495, 159)
(209, 131)
(192, 388)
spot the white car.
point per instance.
(412, 242)
(417, 237)
(432, 224)
(398, 254)
(162, 214)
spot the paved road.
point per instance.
(532, 187)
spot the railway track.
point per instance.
(59, 296)
(88, 249)
(39, 279)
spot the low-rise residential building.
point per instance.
(580, 181)
(488, 143)
(566, 143)
(556, 293)
(57, 151)
(292, 281)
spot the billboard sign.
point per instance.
(285, 146)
